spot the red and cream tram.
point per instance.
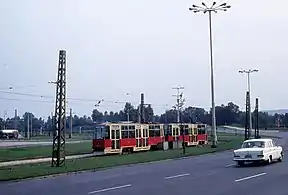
(129, 137)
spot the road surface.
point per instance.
(213, 174)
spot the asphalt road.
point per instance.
(213, 174)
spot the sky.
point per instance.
(145, 46)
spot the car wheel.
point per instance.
(269, 160)
(281, 157)
(240, 163)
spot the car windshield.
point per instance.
(253, 144)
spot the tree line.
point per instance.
(225, 115)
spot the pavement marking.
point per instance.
(230, 165)
(108, 189)
(250, 177)
(175, 176)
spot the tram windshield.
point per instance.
(201, 129)
(102, 132)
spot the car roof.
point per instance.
(263, 140)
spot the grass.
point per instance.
(31, 152)
(21, 153)
(226, 142)
(75, 137)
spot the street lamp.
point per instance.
(248, 72)
(214, 8)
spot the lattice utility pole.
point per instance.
(256, 112)
(181, 102)
(59, 124)
(15, 119)
(179, 108)
(70, 124)
(178, 97)
(247, 121)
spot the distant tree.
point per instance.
(97, 116)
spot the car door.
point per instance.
(276, 152)
(269, 149)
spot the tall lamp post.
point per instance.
(213, 8)
(248, 72)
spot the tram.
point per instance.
(128, 137)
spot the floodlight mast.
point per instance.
(213, 8)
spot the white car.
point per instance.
(258, 150)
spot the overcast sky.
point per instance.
(132, 46)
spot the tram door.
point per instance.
(145, 135)
(115, 137)
(138, 136)
(195, 135)
(175, 132)
(190, 132)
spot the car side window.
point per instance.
(267, 145)
(273, 143)
(270, 144)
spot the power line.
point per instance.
(69, 98)
(39, 101)
(45, 96)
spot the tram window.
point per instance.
(124, 134)
(176, 131)
(168, 132)
(131, 134)
(151, 133)
(124, 127)
(186, 130)
(117, 134)
(107, 132)
(157, 133)
(113, 134)
(131, 127)
(99, 132)
(201, 131)
(144, 132)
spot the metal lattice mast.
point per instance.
(59, 124)
(178, 97)
(247, 121)
(256, 119)
(248, 72)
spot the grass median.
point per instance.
(22, 153)
(95, 163)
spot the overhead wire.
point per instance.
(68, 98)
